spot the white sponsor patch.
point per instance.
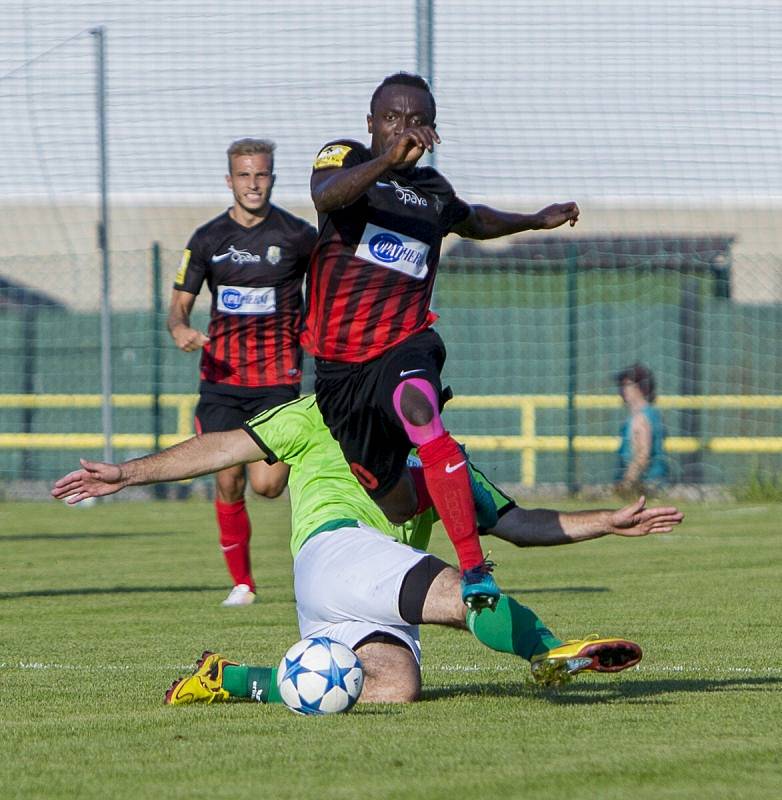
(245, 300)
(393, 250)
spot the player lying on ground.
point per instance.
(360, 579)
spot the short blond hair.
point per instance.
(251, 147)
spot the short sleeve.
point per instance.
(192, 268)
(340, 154)
(454, 211)
(284, 432)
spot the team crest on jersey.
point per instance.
(273, 254)
(183, 264)
(333, 155)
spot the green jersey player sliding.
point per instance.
(364, 581)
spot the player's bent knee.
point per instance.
(391, 672)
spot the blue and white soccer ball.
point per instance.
(320, 676)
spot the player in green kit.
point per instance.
(360, 579)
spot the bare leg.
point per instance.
(391, 673)
(268, 480)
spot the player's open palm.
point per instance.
(94, 479)
(637, 520)
(558, 214)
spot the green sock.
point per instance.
(512, 628)
(257, 683)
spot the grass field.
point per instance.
(101, 608)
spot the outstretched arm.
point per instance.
(543, 527)
(489, 223)
(199, 455)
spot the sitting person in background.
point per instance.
(641, 458)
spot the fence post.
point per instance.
(157, 352)
(103, 242)
(572, 362)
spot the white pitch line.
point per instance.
(647, 670)
(92, 668)
(465, 668)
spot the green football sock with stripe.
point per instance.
(255, 683)
(512, 628)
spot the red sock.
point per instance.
(234, 524)
(445, 471)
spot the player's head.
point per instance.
(401, 101)
(640, 376)
(251, 174)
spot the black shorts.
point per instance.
(217, 411)
(356, 401)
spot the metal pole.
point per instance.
(157, 353)
(103, 244)
(424, 47)
(572, 359)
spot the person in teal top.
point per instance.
(363, 580)
(641, 457)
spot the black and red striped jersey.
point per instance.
(373, 267)
(255, 276)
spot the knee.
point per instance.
(380, 689)
(230, 488)
(268, 481)
(270, 489)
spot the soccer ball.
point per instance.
(320, 676)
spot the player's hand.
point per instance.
(557, 214)
(411, 144)
(94, 479)
(189, 339)
(637, 520)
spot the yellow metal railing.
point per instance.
(527, 442)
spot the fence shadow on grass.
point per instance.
(634, 691)
(556, 590)
(64, 537)
(641, 691)
(86, 591)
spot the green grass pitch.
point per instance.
(101, 608)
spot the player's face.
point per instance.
(251, 182)
(398, 107)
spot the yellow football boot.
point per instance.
(205, 685)
(556, 667)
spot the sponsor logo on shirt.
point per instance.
(404, 194)
(394, 250)
(246, 300)
(273, 254)
(183, 264)
(333, 155)
(236, 256)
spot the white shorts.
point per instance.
(347, 585)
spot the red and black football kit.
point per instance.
(368, 325)
(375, 261)
(255, 276)
(252, 361)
